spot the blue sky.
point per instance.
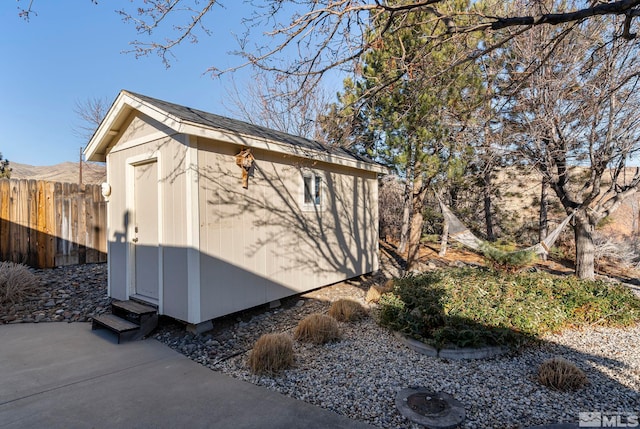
(72, 51)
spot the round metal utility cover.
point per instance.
(435, 410)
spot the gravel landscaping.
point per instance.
(73, 293)
(360, 375)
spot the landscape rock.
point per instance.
(79, 290)
(360, 376)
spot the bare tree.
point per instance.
(335, 31)
(283, 103)
(89, 114)
(575, 119)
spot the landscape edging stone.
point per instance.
(453, 354)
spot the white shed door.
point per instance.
(145, 233)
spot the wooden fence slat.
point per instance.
(5, 224)
(40, 225)
(14, 226)
(91, 226)
(25, 221)
(82, 226)
(50, 229)
(45, 224)
(60, 242)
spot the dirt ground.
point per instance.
(457, 254)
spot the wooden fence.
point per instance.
(47, 224)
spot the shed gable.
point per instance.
(139, 129)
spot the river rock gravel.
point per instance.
(360, 375)
(72, 293)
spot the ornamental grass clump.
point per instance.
(347, 310)
(271, 354)
(560, 374)
(375, 292)
(317, 329)
(16, 283)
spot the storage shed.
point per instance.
(208, 215)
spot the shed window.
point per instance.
(312, 189)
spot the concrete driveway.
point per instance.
(60, 375)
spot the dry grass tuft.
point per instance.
(271, 354)
(16, 282)
(375, 292)
(317, 329)
(346, 310)
(560, 374)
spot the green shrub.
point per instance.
(430, 238)
(557, 253)
(477, 307)
(507, 260)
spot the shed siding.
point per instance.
(261, 244)
(170, 152)
(139, 129)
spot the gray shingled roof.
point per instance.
(241, 127)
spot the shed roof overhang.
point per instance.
(126, 103)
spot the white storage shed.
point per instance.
(208, 215)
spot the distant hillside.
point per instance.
(92, 173)
(520, 191)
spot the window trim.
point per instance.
(318, 189)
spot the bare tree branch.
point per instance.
(333, 29)
(621, 7)
(90, 114)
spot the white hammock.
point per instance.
(459, 232)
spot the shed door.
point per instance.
(145, 232)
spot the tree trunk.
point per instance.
(407, 203)
(585, 249)
(488, 217)
(417, 222)
(406, 218)
(543, 230)
(544, 204)
(445, 238)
